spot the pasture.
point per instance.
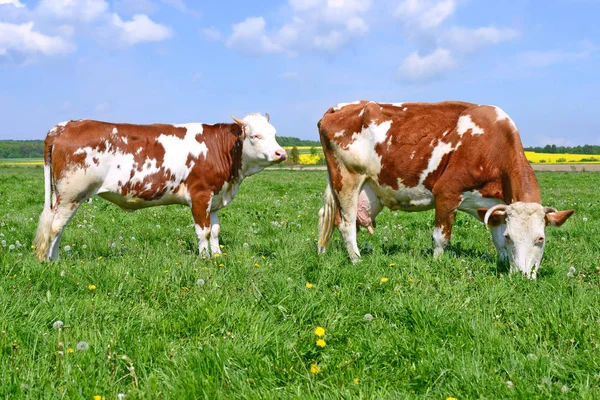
(144, 316)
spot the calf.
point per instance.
(445, 156)
(139, 166)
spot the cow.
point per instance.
(449, 156)
(139, 166)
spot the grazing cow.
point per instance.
(445, 156)
(138, 166)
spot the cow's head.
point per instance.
(260, 147)
(520, 232)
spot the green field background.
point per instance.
(128, 286)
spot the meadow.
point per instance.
(143, 316)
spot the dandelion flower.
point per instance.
(217, 255)
(33, 246)
(82, 346)
(450, 398)
(309, 285)
(165, 271)
(384, 280)
(67, 248)
(256, 265)
(320, 332)
(368, 317)
(58, 324)
(392, 265)
(11, 247)
(221, 246)
(510, 384)
(356, 381)
(314, 368)
(121, 396)
(70, 350)
(321, 343)
(92, 287)
(200, 282)
(221, 265)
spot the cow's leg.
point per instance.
(348, 199)
(445, 212)
(215, 229)
(201, 213)
(63, 213)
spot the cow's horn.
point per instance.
(497, 207)
(239, 121)
(267, 116)
(548, 210)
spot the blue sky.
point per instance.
(147, 61)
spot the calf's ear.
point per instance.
(497, 218)
(557, 218)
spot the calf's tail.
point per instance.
(326, 218)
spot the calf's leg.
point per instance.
(201, 213)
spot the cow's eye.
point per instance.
(507, 237)
(257, 136)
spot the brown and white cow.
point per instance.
(138, 166)
(445, 156)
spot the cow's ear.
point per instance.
(557, 218)
(268, 117)
(497, 218)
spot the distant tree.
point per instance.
(313, 151)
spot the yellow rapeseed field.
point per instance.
(541, 158)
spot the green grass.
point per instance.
(454, 327)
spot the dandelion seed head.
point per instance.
(200, 282)
(510, 384)
(368, 317)
(67, 248)
(11, 247)
(82, 346)
(58, 324)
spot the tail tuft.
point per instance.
(326, 219)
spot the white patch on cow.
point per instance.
(194, 127)
(436, 158)
(339, 106)
(339, 134)
(124, 139)
(63, 124)
(405, 108)
(360, 114)
(501, 115)
(439, 241)
(445, 133)
(178, 150)
(412, 155)
(115, 131)
(139, 150)
(225, 196)
(379, 132)
(465, 123)
(202, 234)
(473, 200)
(417, 198)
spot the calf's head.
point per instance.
(260, 147)
(520, 232)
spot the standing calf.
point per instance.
(139, 166)
(445, 156)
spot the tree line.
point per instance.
(554, 149)
(21, 148)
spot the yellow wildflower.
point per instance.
(309, 285)
(321, 343)
(355, 381)
(217, 255)
(100, 258)
(33, 246)
(320, 332)
(14, 276)
(96, 397)
(221, 246)
(221, 265)
(384, 280)
(92, 287)
(314, 368)
(165, 271)
(256, 265)
(392, 265)
(185, 288)
(450, 398)
(70, 350)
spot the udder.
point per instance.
(369, 206)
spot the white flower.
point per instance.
(82, 346)
(132, 238)
(121, 396)
(84, 246)
(532, 356)
(4, 243)
(11, 247)
(157, 226)
(510, 384)
(200, 282)
(368, 317)
(67, 248)
(571, 272)
(564, 389)
(245, 245)
(63, 273)
(584, 219)
(58, 324)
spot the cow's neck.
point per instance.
(520, 183)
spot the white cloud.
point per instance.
(544, 140)
(425, 14)
(15, 3)
(21, 38)
(212, 34)
(420, 69)
(543, 59)
(323, 25)
(140, 29)
(76, 10)
(470, 40)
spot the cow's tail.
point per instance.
(42, 236)
(326, 218)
